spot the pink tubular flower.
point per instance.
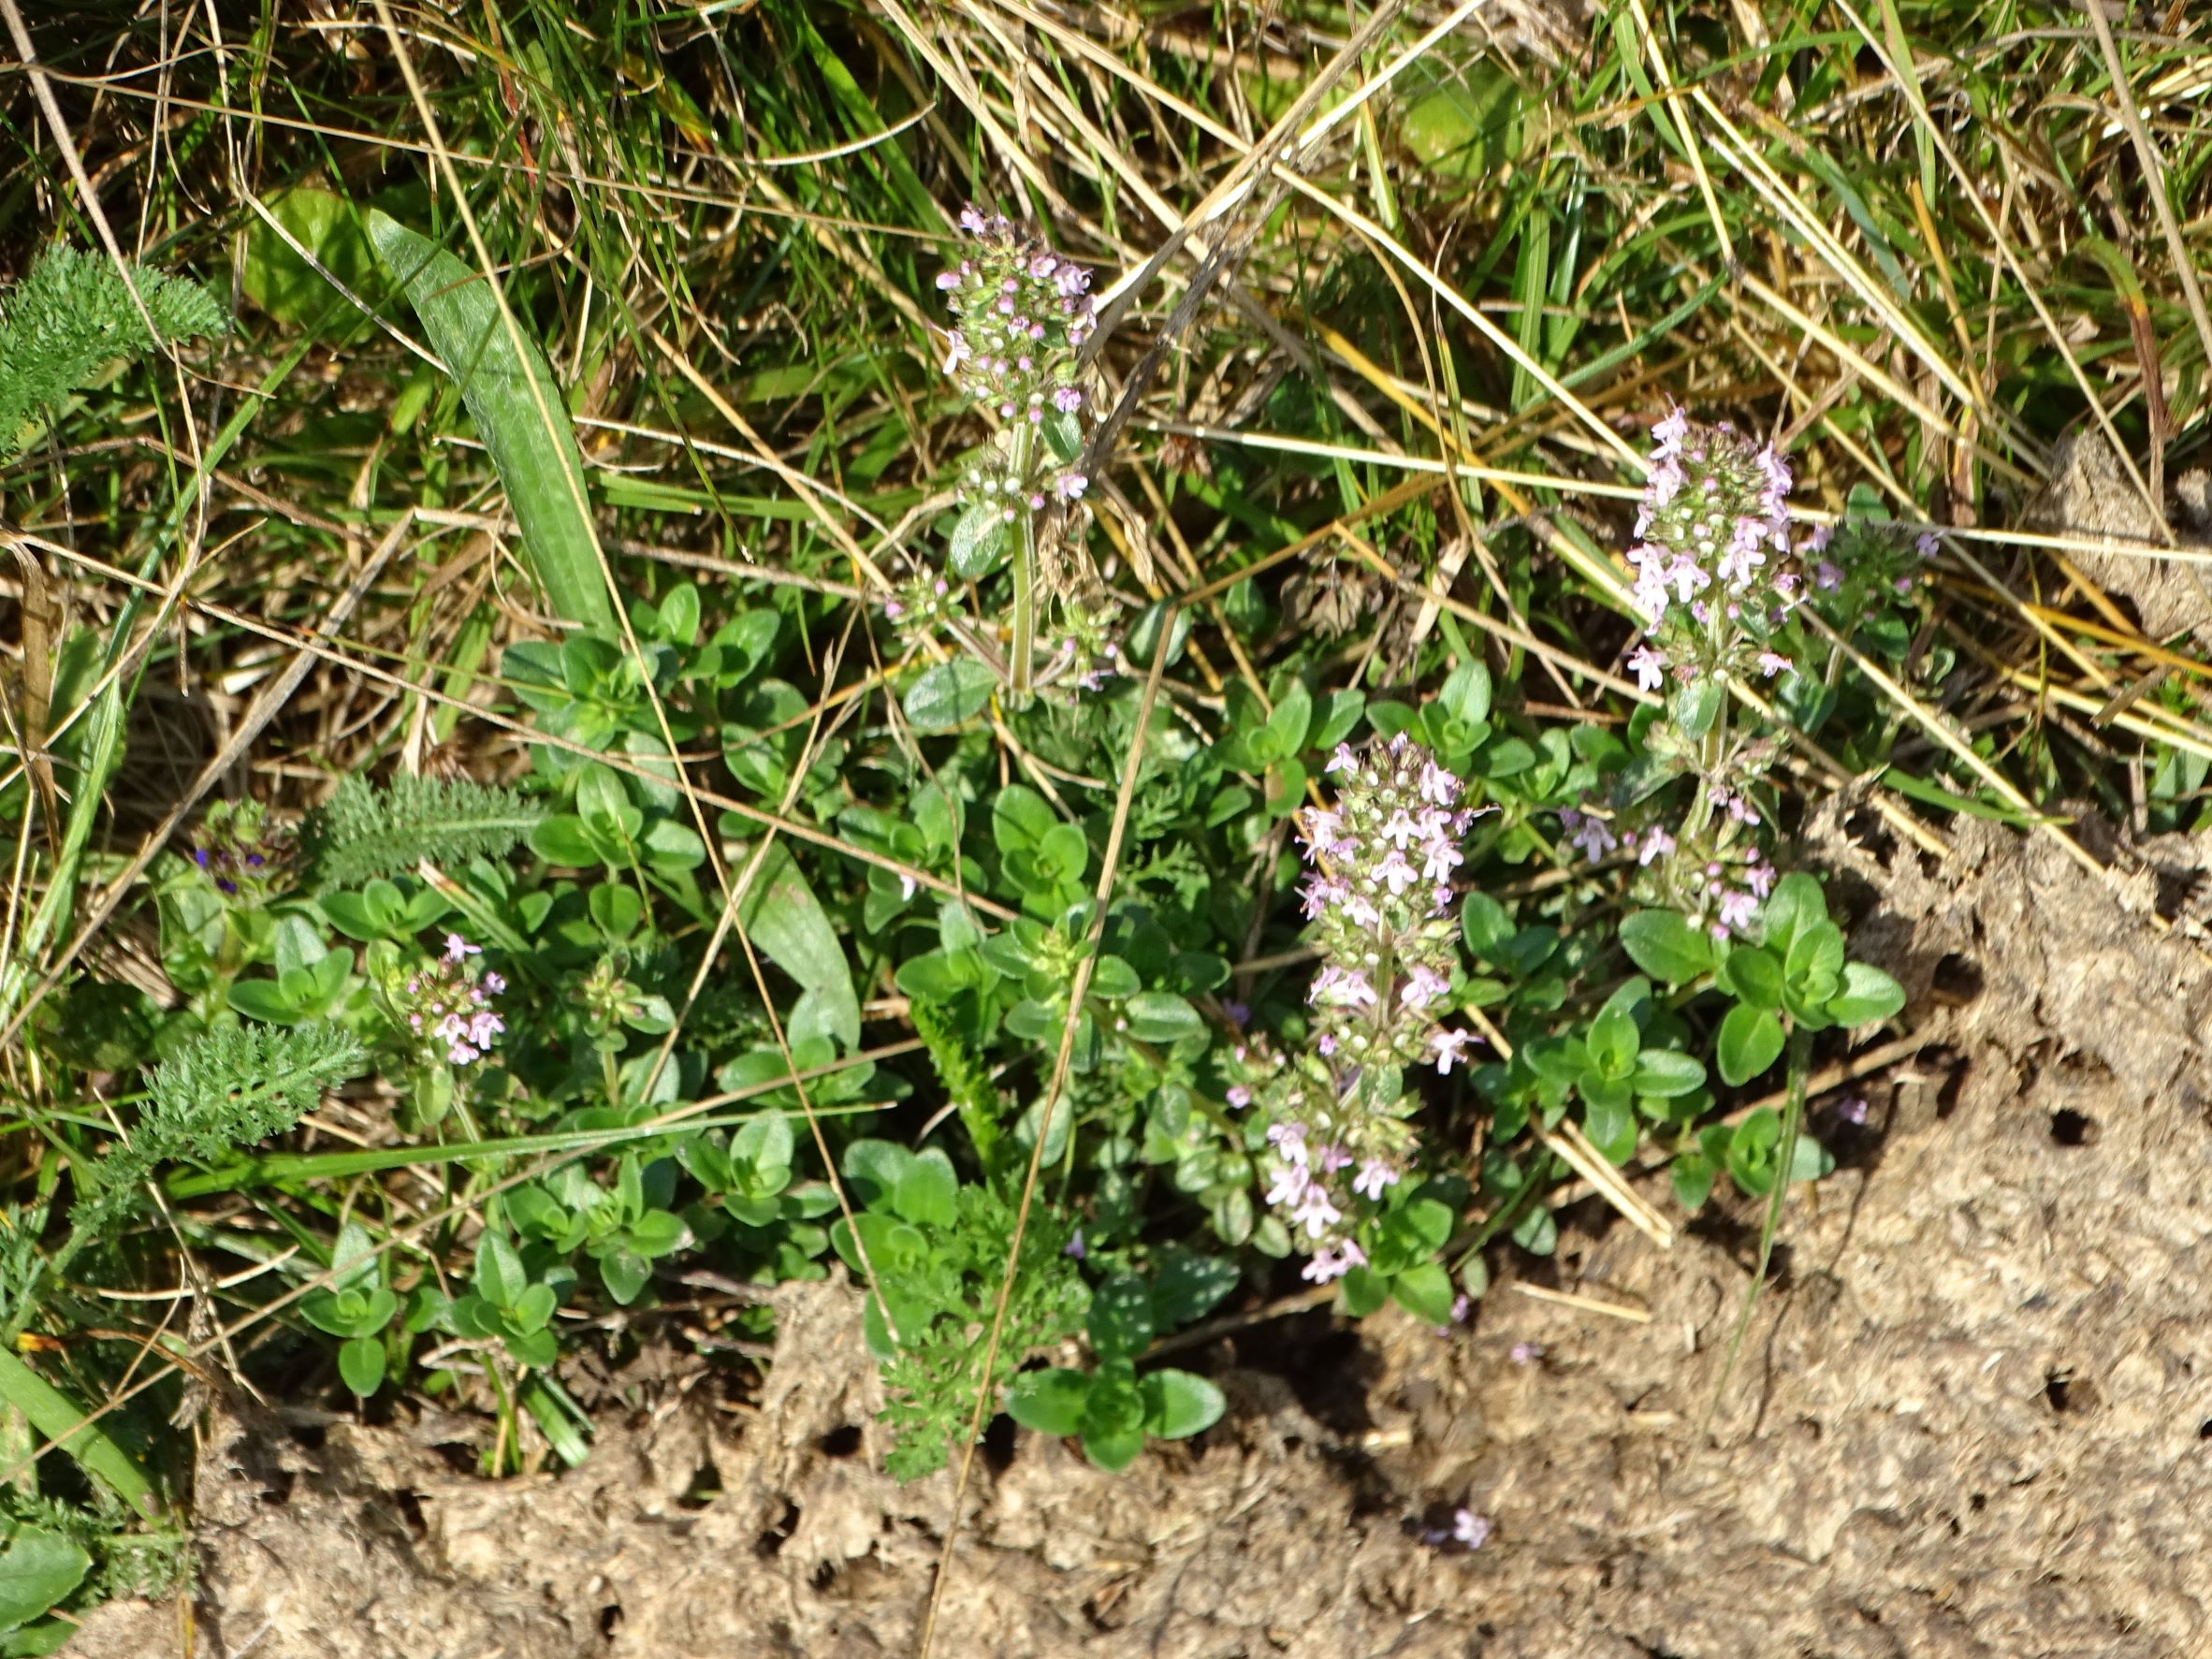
(1290, 1184)
(1449, 1047)
(1374, 1174)
(1315, 1212)
(1737, 911)
(1423, 986)
(1773, 663)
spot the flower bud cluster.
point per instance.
(1082, 650)
(246, 857)
(1715, 573)
(1025, 313)
(1712, 865)
(1380, 899)
(446, 1006)
(921, 606)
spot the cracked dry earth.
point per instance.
(1973, 1418)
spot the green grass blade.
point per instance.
(61, 1420)
(527, 432)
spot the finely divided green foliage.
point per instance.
(366, 830)
(73, 314)
(228, 1088)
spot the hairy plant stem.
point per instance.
(1785, 1163)
(1021, 651)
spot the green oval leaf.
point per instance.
(1665, 946)
(1749, 1040)
(1049, 1402)
(949, 695)
(1868, 995)
(38, 1570)
(1178, 1404)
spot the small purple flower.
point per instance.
(1925, 543)
(1469, 1528)
(1396, 874)
(1239, 1096)
(1657, 844)
(1648, 667)
(1315, 1212)
(1773, 663)
(1852, 1109)
(1068, 400)
(1333, 1264)
(1374, 1174)
(1526, 1353)
(1290, 1184)
(1449, 1047)
(1076, 1247)
(1423, 986)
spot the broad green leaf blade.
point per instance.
(518, 412)
(949, 695)
(785, 919)
(38, 1570)
(60, 1418)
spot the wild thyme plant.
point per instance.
(1381, 900)
(1024, 316)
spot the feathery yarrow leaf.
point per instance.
(363, 832)
(222, 1090)
(73, 313)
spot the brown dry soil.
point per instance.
(1973, 1418)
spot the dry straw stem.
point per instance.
(1971, 192)
(266, 703)
(322, 651)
